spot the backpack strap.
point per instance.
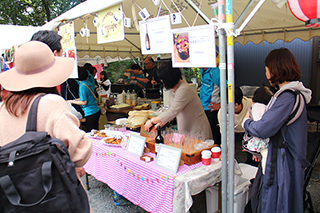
(32, 116)
(277, 141)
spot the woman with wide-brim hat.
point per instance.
(38, 72)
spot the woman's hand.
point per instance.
(148, 125)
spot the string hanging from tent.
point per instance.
(197, 14)
(178, 11)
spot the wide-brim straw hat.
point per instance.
(36, 66)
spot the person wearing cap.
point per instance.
(37, 71)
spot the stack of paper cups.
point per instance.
(206, 157)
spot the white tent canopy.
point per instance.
(269, 24)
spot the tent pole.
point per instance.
(243, 13)
(197, 10)
(231, 109)
(223, 77)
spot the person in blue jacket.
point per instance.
(210, 98)
(285, 193)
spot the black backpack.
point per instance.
(37, 174)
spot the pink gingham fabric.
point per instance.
(142, 183)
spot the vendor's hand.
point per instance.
(133, 78)
(214, 106)
(128, 70)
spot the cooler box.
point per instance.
(241, 191)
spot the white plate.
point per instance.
(108, 133)
(110, 144)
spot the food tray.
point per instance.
(122, 108)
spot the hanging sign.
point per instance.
(68, 45)
(155, 35)
(168, 158)
(194, 47)
(110, 25)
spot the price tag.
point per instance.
(136, 145)
(168, 158)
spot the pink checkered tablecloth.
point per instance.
(142, 183)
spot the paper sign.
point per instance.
(155, 35)
(168, 158)
(68, 45)
(127, 22)
(67, 33)
(175, 18)
(136, 145)
(144, 14)
(110, 26)
(194, 47)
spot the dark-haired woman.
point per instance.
(87, 101)
(184, 104)
(285, 193)
(104, 85)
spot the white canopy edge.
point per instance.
(87, 7)
(12, 35)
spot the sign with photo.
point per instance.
(68, 45)
(168, 158)
(110, 26)
(155, 35)
(194, 47)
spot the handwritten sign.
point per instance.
(110, 26)
(168, 158)
(136, 145)
(194, 47)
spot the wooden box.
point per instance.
(188, 158)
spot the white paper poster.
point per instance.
(68, 45)
(155, 35)
(194, 47)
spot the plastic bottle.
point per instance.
(128, 97)
(158, 140)
(133, 98)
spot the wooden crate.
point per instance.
(188, 158)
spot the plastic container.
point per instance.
(133, 98)
(241, 191)
(206, 157)
(155, 105)
(128, 97)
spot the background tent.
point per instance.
(12, 35)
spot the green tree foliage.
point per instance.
(115, 70)
(33, 12)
